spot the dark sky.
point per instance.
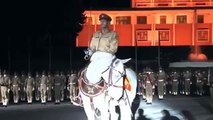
(92, 4)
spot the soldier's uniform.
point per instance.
(161, 83)
(63, 85)
(23, 87)
(0, 86)
(37, 86)
(49, 87)
(140, 85)
(199, 83)
(175, 77)
(187, 82)
(43, 88)
(15, 87)
(30, 82)
(107, 42)
(4, 82)
(149, 85)
(72, 86)
(57, 87)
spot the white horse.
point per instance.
(106, 83)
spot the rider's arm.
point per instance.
(113, 43)
(93, 42)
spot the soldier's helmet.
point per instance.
(57, 73)
(5, 72)
(15, 74)
(43, 72)
(22, 72)
(29, 74)
(61, 73)
(49, 73)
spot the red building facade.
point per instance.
(166, 22)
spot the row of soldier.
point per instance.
(42, 88)
(187, 82)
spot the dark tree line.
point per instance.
(31, 25)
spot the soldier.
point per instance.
(175, 77)
(37, 86)
(72, 86)
(149, 85)
(22, 87)
(140, 86)
(4, 82)
(43, 87)
(161, 83)
(49, 86)
(15, 87)
(199, 83)
(187, 81)
(205, 82)
(29, 84)
(63, 85)
(67, 83)
(0, 86)
(57, 87)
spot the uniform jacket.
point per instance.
(104, 42)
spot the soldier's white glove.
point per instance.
(33, 89)
(47, 88)
(8, 90)
(88, 52)
(19, 89)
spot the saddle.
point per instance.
(90, 90)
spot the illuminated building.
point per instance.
(172, 22)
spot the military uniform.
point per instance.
(187, 83)
(4, 82)
(23, 87)
(63, 85)
(72, 86)
(15, 88)
(37, 86)
(57, 88)
(43, 88)
(140, 85)
(49, 87)
(199, 83)
(0, 86)
(175, 77)
(107, 42)
(161, 84)
(149, 85)
(29, 88)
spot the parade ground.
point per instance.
(200, 107)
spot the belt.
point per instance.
(57, 83)
(72, 83)
(160, 80)
(175, 80)
(187, 79)
(148, 82)
(15, 85)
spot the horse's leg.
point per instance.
(104, 112)
(113, 114)
(126, 113)
(87, 107)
